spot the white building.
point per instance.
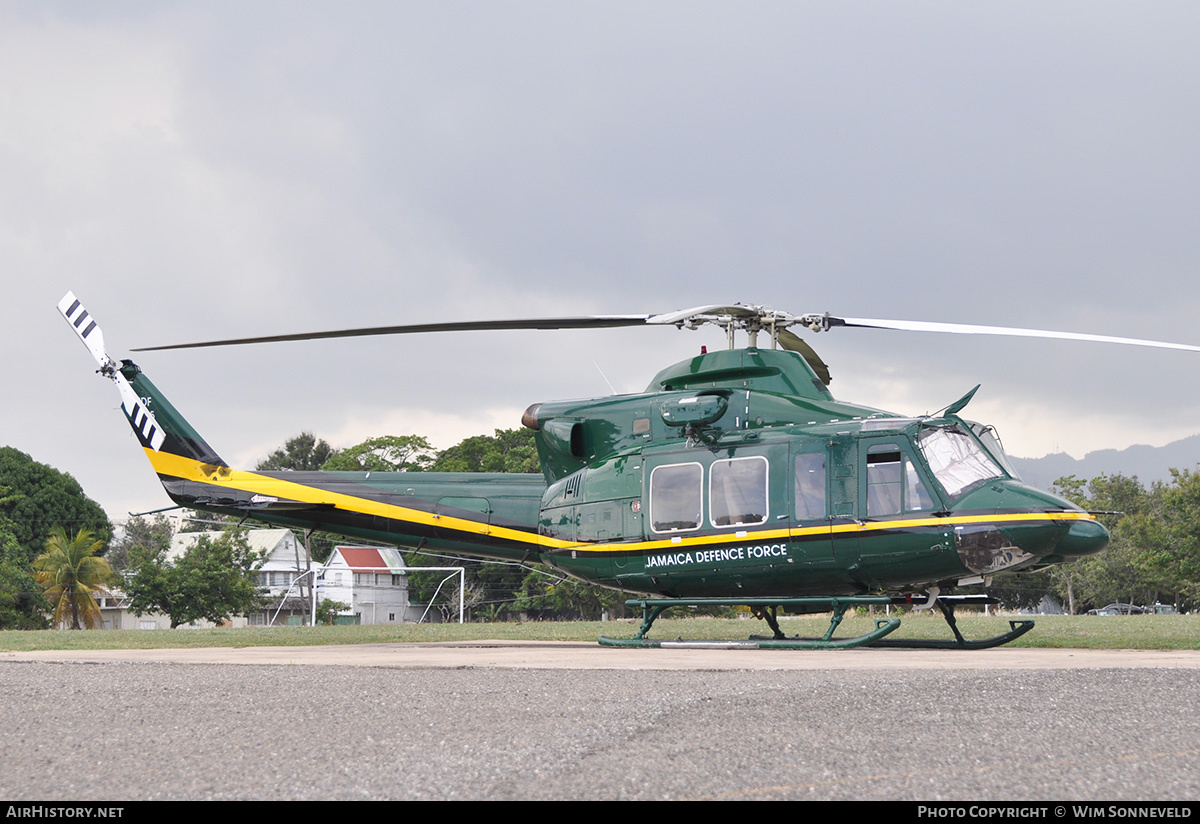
(372, 580)
(285, 565)
(283, 577)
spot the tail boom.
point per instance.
(485, 515)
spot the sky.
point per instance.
(200, 170)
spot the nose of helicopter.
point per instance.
(1054, 540)
(1084, 538)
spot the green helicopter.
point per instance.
(735, 478)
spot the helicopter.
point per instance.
(734, 479)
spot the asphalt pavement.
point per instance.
(573, 721)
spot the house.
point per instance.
(282, 577)
(115, 613)
(372, 580)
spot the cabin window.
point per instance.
(916, 497)
(883, 481)
(893, 484)
(737, 491)
(675, 497)
(957, 460)
(810, 486)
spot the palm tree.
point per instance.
(69, 571)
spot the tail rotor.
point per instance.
(88, 331)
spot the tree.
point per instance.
(509, 450)
(1179, 540)
(141, 538)
(1154, 551)
(22, 605)
(39, 497)
(388, 453)
(1111, 575)
(303, 452)
(328, 610)
(542, 591)
(69, 571)
(212, 580)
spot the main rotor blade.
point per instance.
(967, 329)
(583, 322)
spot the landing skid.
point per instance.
(946, 605)
(766, 609)
(763, 608)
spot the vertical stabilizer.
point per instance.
(180, 438)
(155, 421)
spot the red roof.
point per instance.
(362, 557)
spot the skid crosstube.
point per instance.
(766, 608)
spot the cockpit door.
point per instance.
(812, 480)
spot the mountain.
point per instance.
(1148, 463)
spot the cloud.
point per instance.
(201, 170)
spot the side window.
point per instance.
(884, 470)
(675, 497)
(737, 491)
(893, 484)
(915, 496)
(810, 486)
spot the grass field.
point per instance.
(1163, 632)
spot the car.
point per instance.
(1161, 609)
(1117, 609)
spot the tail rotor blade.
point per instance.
(87, 330)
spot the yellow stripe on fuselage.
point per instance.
(947, 522)
(191, 470)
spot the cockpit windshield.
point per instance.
(956, 459)
(991, 442)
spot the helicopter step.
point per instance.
(765, 608)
